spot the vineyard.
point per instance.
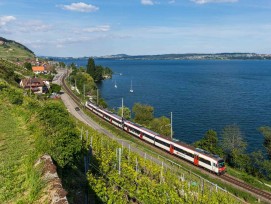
(117, 175)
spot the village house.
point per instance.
(36, 85)
(38, 69)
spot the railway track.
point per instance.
(261, 194)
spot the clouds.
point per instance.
(6, 19)
(33, 26)
(102, 28)
(213, 1)
(147, 2)
(80, 7)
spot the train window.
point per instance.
(148, 136)
(183, 152)
(205, 161)
(221, 163)
(162, 143)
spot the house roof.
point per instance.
(35, 82)
(38, 69)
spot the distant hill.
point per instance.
(14, 51)
(191, 56)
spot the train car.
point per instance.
(198, 157)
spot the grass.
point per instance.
(19, 181)
(12, 52)
(258, 183)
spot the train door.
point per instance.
(171, 149)
(141, 135)
(196, 159)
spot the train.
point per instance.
(197, 156)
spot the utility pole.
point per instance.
(97, 96)
(84, 91)
(122, 107)
(30, 86)
(171, 128)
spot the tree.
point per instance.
(233, 144)
(98, 76)
(266, 131)
(28, 65)
(55, 88)
(161, 125)
(143, 114)
(256, 164)
(62, 64)
(91, 68)
(126, 112)
(209, 142)
(59, 136)
(102, 103)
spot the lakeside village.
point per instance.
(41, 77)
(41, 73)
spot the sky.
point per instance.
(69, 28)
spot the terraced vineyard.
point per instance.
(117, 175)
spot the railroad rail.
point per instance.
(262, 194)
(258, 193)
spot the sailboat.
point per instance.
(116, 85)
(131, 89)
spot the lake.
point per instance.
(201, 94)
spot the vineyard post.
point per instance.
(136, 164)
(119, 160)
(161, 173)
(81, 136)
(86, 137)
(116, 157)
(129, 153)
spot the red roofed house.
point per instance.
(38, 69)
(35, 84)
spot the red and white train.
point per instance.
(196, 156)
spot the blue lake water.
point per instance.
(201, 94)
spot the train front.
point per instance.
(221, 167)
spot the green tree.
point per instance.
(143, 114)
(91, 68)
(266, 131)
(98, 76)
(59, 136)
(255, 167)
(209, 142)
(233, 144)
(161, 125)
(73, 66)
(102, 103)
(28, 66)
(55, 88)
(126, 112)
(62, 64)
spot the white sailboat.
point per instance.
(116, 85)
(131, 89)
